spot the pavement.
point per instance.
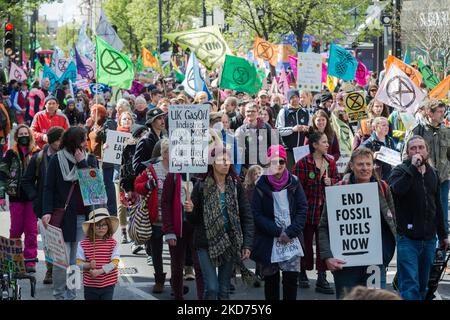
(136, 278)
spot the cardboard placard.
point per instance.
(116, 142)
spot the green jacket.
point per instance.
(387, 210)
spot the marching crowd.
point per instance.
(213, 222)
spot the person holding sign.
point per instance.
(223, 224)
(378, 139)
(316, 171)
(360, 170)
(279, 209)
(62, 187)
(416, 189)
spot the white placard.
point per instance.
(300, 152)
(342, 162)
(56, 248)
(116, 142)
(189, 136)
(389, 156)
(309, 71)
(354, 224)
(408, 120)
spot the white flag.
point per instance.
(61, 65)
(193, 82)
(16, 73)
(399, 91)
(84, 45)
(106, 31)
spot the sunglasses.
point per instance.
(280, 162)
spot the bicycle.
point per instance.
(10, 287)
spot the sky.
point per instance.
(63, 12)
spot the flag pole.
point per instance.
(218, 87)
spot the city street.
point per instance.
(136, 278)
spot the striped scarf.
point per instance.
(222, 246)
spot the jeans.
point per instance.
(105, 293)
(444, 201)
(60, 291)
(155, 244)
(23, 220)
(414, 261)
(216, 284)
(108, 172)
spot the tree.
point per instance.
(67, 36)
(427, 28)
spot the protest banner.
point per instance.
(409, 71)
(189, 136)
(309, 71)
(92, 186)
(116, 142)
(56, 248)
(300, 152)
(11, 252)
(354, 224)
(389, 156)
(43, 233)
(342, 162)
(355, 106)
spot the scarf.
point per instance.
(222, 246)
(122, 129)
(64, 157)
(279, 184)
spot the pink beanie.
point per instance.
(276, 151)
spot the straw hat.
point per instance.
(99, 214)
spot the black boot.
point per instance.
(322, 284)
(124, 236)
(303, 281)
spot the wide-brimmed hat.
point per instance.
(98, 215)
(152, 115)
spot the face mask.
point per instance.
(218, 126)
(24, 141)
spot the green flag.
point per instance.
(429, 78)
(240, 75)
(207, 43)
(114, 68)
(139, 65)
(38, 68)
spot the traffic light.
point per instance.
(8, 43)
(316, 46)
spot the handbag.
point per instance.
(58, 213)
(139, 226)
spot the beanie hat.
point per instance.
(49, 98)
(291, 93)
(137, 129)
(276, 151)
(70, 101)
(326, 96)
(54, 134)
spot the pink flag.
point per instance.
(324, 72)
(293, 63)
(361, 74)
(283, 83)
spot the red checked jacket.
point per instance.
(313, 185)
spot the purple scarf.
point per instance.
(276, 184)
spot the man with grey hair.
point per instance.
(230, 104)
(437, 136)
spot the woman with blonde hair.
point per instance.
(12, 168)
(201, 97)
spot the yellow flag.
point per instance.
(148, 59)
(441, 90)
(412, 73)
(207, 43)
(331, 83)
(266, 51)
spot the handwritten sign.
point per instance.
(389, 156)
(55, 246)
(92, 186)
(342, 162)
(11, 252)
(309, 71)
(116, 142)
(189, 136)
(354, 223)
(300, 152)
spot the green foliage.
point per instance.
(67, 36)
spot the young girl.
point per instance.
(98, 255)
(253, 174)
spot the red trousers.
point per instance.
(307, 262)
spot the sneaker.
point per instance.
(322, 285)
(303, 281)
(189, 273)
(124, 238)
(48, 279)
(135, 249)
(149, 261)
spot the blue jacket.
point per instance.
(265, 227)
